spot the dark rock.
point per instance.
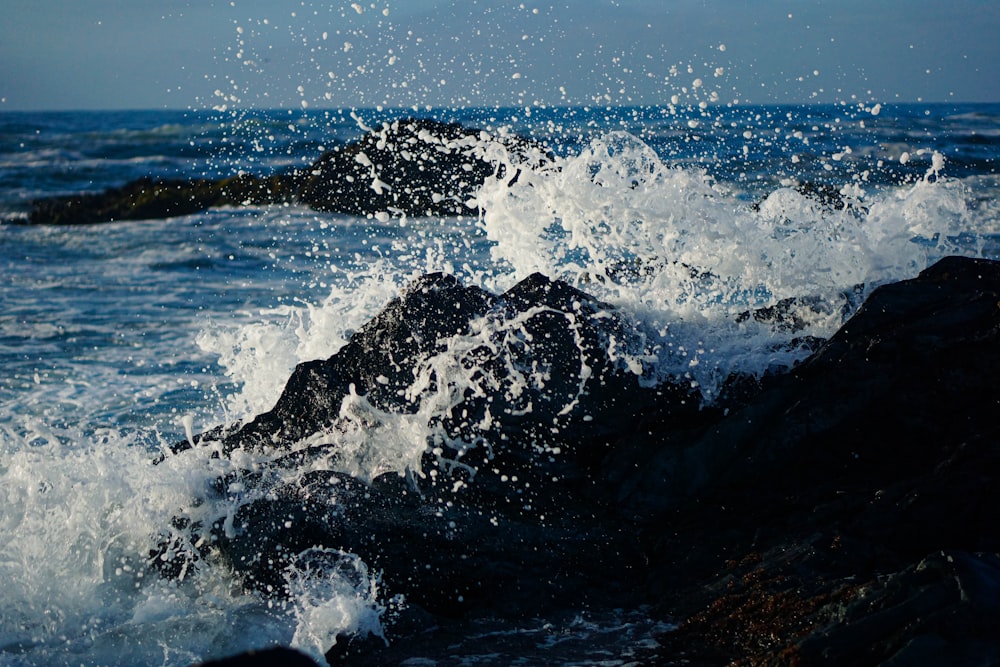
(787, 314)
(846, 511)
(143, 198)
(540, 361)
(378, 363)
(350, 648)
(840, 479)
(285, 657)
(511, 520)
(447, 551)
(408, 167)
(943, 610)
(412, 167)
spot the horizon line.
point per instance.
(539, 107)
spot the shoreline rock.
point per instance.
(413, 167)
(847, 511)
(860, 490)
(507, 525)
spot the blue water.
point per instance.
(115, 339)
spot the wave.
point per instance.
(678, 251)
(681, 252)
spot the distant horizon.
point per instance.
(421, 110)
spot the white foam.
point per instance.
(678, 252)
(675, 251)
(333, 595)
(79, 523)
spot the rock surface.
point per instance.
(507, 526)
(408, 167)
(266, 658)
(847, 512)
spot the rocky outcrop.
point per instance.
(543, 362)
(414, 167)
(411, 167)
(149, 199)
(846, 512)
(524, 390)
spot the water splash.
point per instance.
(682, 253)
(675, 249)
(334, 596)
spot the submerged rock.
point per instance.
(149, 199)
(847, 511)
(415, 167)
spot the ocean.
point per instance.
(119, 339)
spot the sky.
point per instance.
(197, 54)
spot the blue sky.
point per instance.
(115, 54)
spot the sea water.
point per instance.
(119, 339)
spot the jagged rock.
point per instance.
(378, 363)
(845, 511)
(838, 480)
(538, 357)
(412, 167)
(416, 167)
(502, 510)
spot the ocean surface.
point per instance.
(118, 339)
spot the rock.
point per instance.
(285, 657)
(444, 551)
(408, 167)
(843, 512)
(137, 200)
(349, 648)
(411, 167)
(943, 610)
(509, 520)
(537, 357)
(854, 471)
(378, 363)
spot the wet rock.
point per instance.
(792, 313)
(408, 167)
(264, 658)
(137, 200)
(378, 363)
(443, 550)
(412, 167)
(508, 519)
(535, 367)
(842, 481)
(843, 512)
(943, 610)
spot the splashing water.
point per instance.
(675, 251)
(333, 595)
(680, 247)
